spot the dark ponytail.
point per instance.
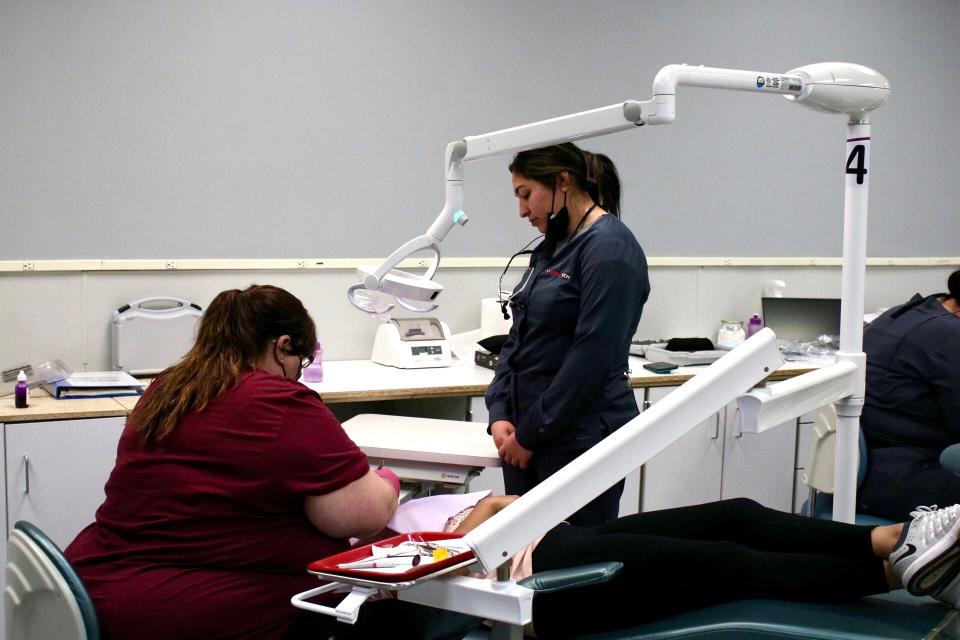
(593, 173)
(953, 285)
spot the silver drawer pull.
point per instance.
(26, 474)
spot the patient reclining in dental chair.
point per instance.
(679, 560)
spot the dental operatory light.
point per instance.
(840, 87)
(831, 87)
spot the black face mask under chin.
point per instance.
(557, 225)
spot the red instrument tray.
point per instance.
(328, 566)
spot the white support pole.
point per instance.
(851, 319)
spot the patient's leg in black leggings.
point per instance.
(748, 522)
(684, 559)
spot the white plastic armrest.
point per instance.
(767, 407)
(347, 611)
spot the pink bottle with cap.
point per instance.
(754, 324)
(314, 372)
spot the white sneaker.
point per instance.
(927, 555)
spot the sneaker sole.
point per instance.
(937, 574)
(923, 576)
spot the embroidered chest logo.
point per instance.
(557, 274)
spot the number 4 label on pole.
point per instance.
(858, 159)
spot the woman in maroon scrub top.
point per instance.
(230, 478)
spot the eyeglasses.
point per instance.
(305, 361)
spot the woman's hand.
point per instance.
(513, 453)
(501, 430)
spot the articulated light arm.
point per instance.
(832, 87)
(418, 292)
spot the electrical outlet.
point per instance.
(301, 264)
(28, 265)
(170, 264)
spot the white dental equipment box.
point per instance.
(150, 334)
(412, 343)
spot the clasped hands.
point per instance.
(509, 450)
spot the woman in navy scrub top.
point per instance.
(912, 407)
(562, 381)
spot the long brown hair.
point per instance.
(593, 173)
(233, 332)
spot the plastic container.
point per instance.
(730, 334)
(21, 392)
(314, 372)
(754, 324)
(37, 374)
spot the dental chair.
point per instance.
(882, 617)
(44, 597)
(894, 615)
(818, 473)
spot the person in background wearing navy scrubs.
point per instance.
(912, 409)
(562, 381)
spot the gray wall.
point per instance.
(264, 129)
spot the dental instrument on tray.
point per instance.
(833, 87)
(389, 562)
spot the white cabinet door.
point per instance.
(56, 472)
(688, 471)
(759, 465)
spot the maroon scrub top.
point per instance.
(203, 534)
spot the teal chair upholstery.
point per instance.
(582, 576)
(950, 458)
(44, 597)
(896, 615)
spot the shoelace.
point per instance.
(933, 522)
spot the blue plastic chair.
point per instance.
(44, 597)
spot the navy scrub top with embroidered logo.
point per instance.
(561, 378)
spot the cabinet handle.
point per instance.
(716, 428)
(736, 420)
(26, 474)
